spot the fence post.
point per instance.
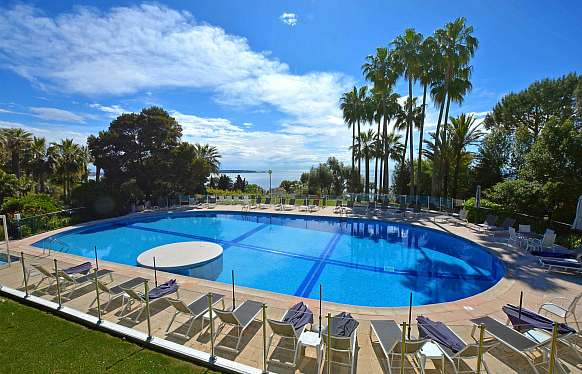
(6, 240)
(264, 338)
(97, 295)
(212, 356)
(25, 278)
(328, 343)
(480, 355)
(60, 301)
(403, 348)
(553, 349)
(147, 300)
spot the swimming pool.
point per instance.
(358, 262)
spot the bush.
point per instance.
(100, 200)
(30, 205)
(519, 196)
(487, 207)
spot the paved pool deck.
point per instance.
(522, 275)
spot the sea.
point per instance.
(262, 178)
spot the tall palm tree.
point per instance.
(458, 46)
(463, 132)
(409, 111)
(392, 150)
(349, 110)
(209, 154)
(16, 141)
(407, 49)
(428, 73)
(67, 161)
(38, 162)
(366, 149)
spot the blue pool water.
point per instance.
(358, 262)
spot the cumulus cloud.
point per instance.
(126, 50)
(289, 18)
(113, 111)
(52, 132)
(242, 146)
(55, 114)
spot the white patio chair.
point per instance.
(562, 307)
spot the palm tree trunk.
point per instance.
(376, 162)
(445, 161)
(456, 177)
(98, 170)
(386, 182)
(353, 147)
(410, 125)
(381, 179)
(359, 152)
(367, 187)
(435, 185)
(403, 160)
(419, 169)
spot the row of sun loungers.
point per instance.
(529, 335)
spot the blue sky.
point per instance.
(260, 80)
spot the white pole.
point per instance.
(6, 240)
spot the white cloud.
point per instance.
(113, 111)
(55, 114)
(289, 18)
(130, 49)
(52, 132)
(241, 146)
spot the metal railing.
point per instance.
(326, 342)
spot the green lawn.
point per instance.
(32, 341)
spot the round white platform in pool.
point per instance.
(180, 255)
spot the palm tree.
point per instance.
(16, 141)
(463, 132)
(348, 107)
(67, 161)
(209, 154)
(392, 150)
(457, 45)
(38, 162)
(366, 149)
(407, 112)
(407, 49)
(427, 75)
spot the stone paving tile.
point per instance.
(522, 276)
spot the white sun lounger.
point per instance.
(241, 318)
(195, 310)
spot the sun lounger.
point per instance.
(131, 297)
(256, 203)
(196, 309)
(490, 222)
(315, 206)
(338, 206)
(562, 307)
(241, 318)
(349, 207)
(211, 202)
(563, 265)
(118, 290)
(507, 223)
(281, 205)
(74, 282)
(290, 327)
(289, 206)
(539, 328)
(454, 348)
(389, 337)
(343, 337)
(266, 204)
(305, 206)
(517, 342)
